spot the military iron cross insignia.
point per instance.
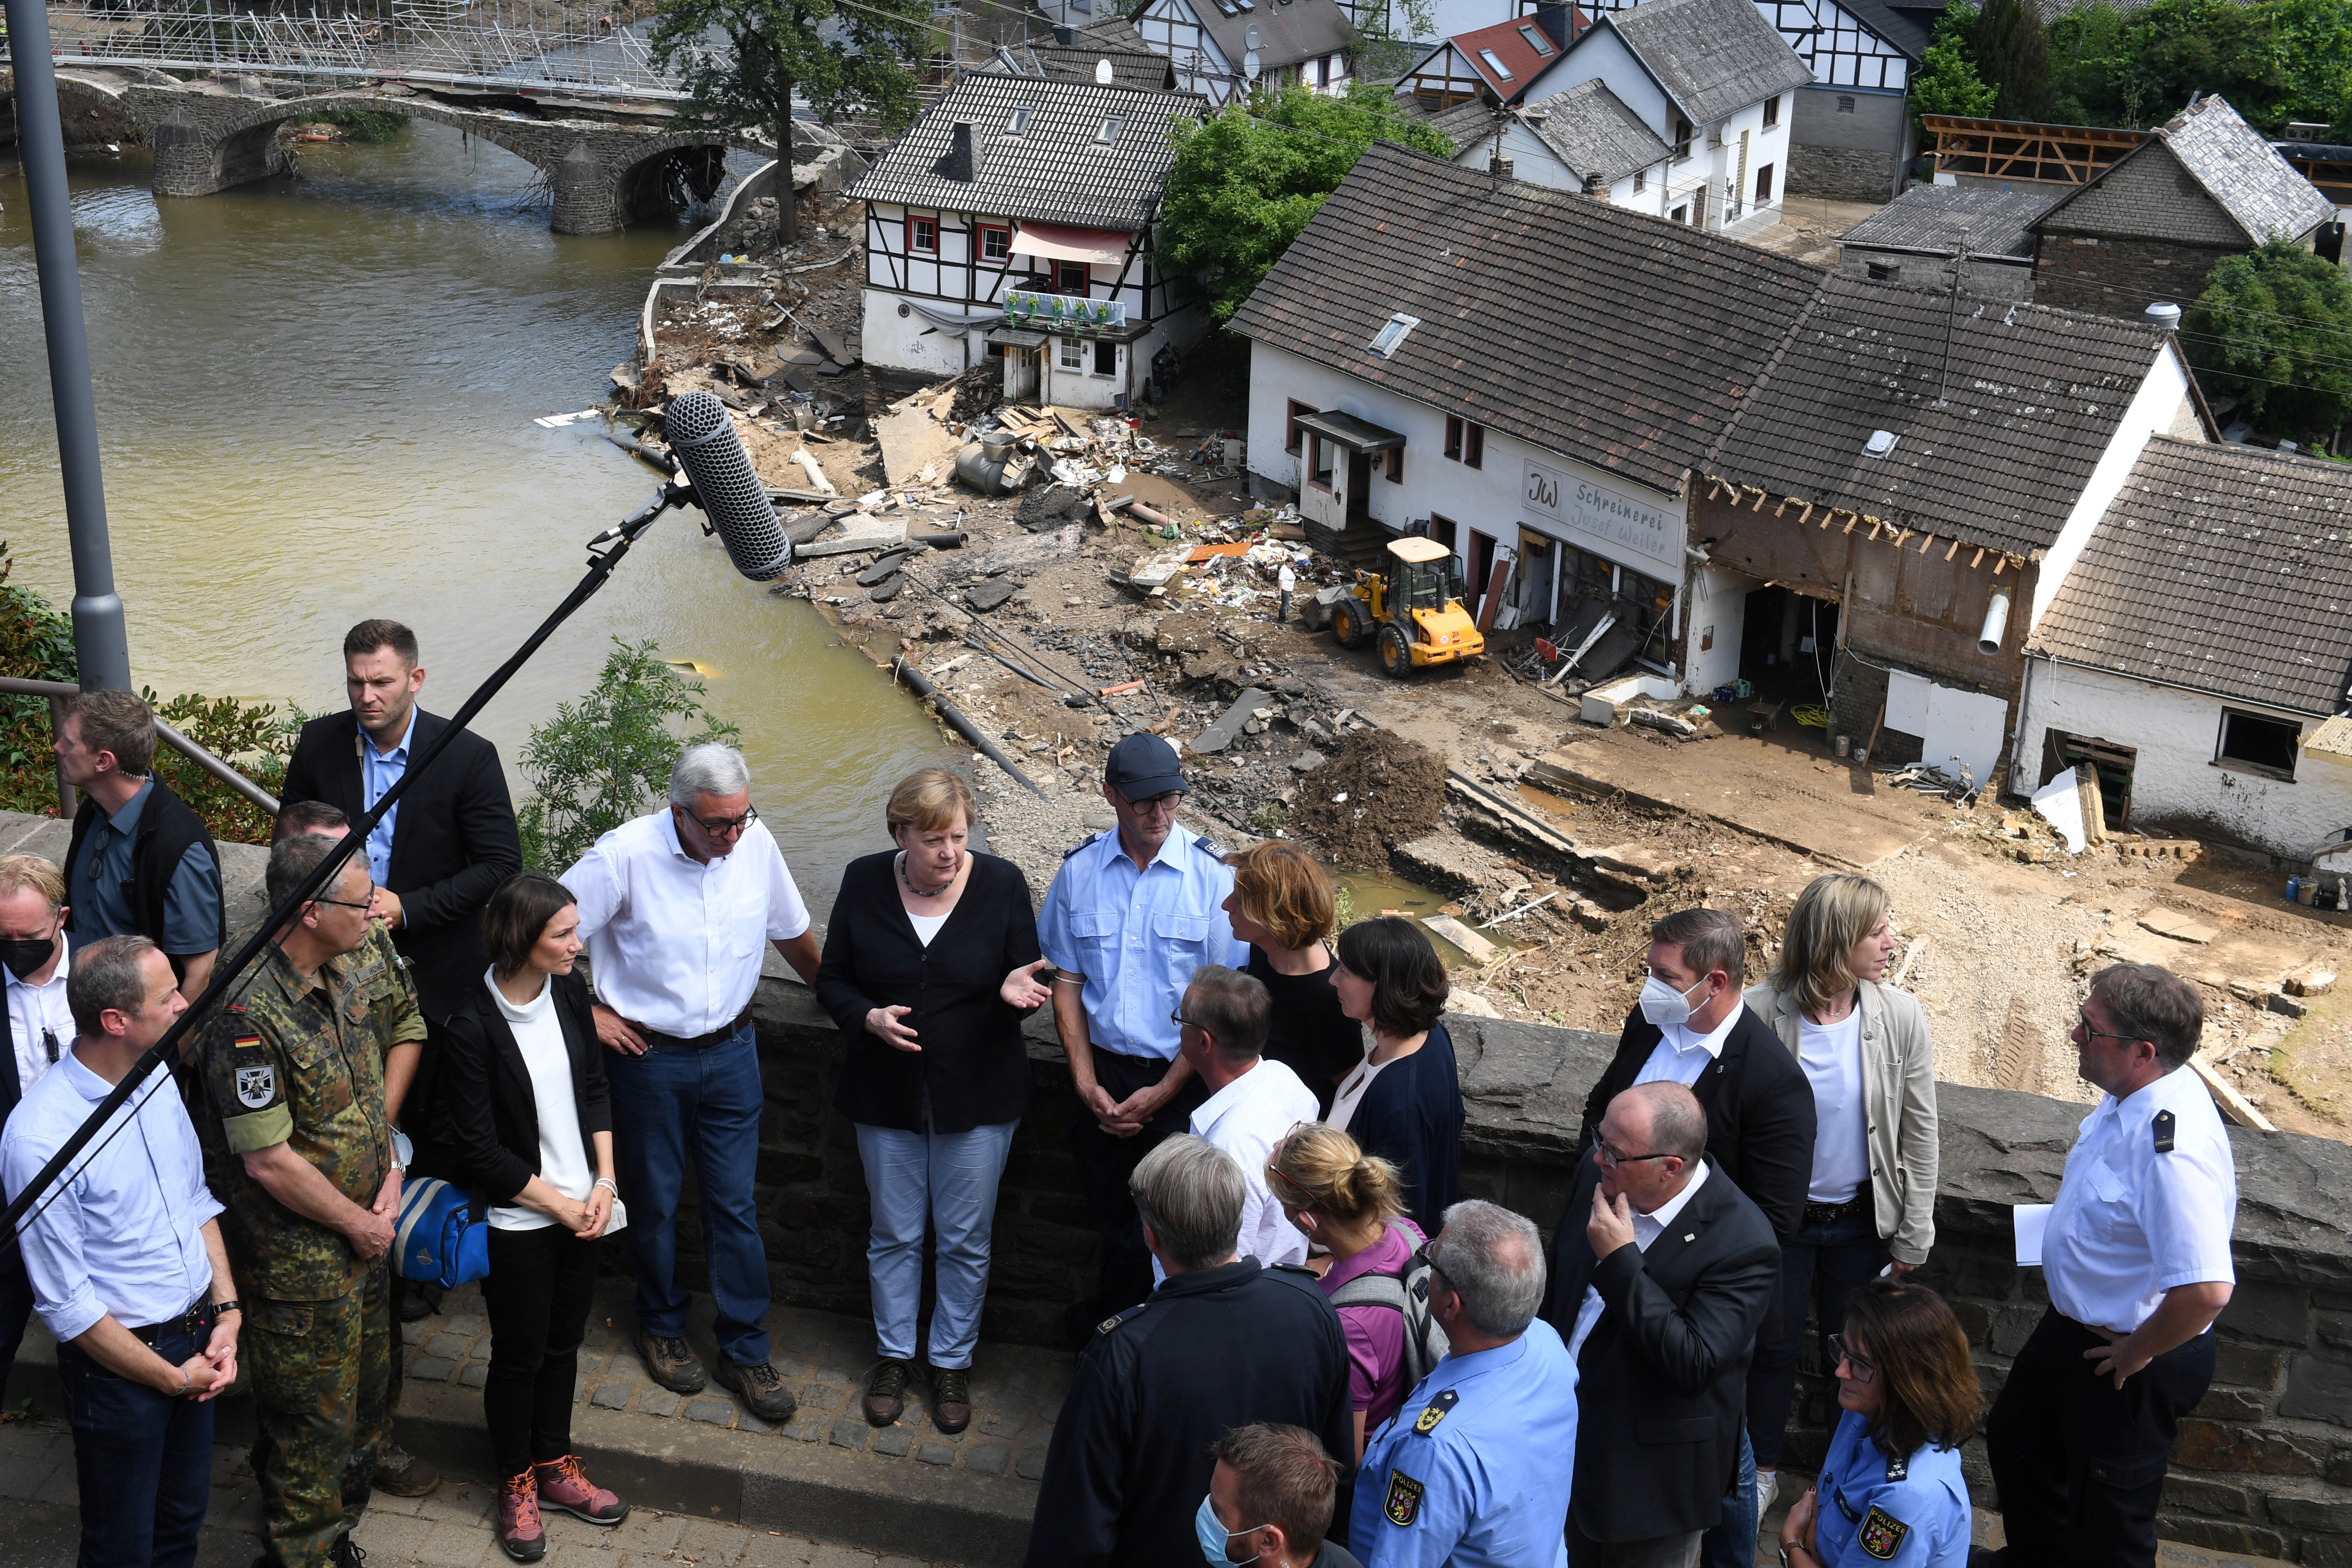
(1434, 1412)
(255, 1085)
(1882, 1534)
(1404, 1505)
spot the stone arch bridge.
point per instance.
(207, 139)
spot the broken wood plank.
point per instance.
(2227, 1100)
(1510, 811)
(1910, 956)
(1474, 946)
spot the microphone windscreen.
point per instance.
(726, 486)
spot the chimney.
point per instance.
(1066, 36)
(960, 163)
(1558, 23)
(1594, 185)
(1499, 167)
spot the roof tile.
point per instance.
(1714, 58)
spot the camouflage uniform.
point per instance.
(290, 1061)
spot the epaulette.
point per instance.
(1082, 844)
(1215, 850)
(2163, 1126)
(1898, 1467)
(1112, 1321)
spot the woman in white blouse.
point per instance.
(1871, 1205)
(523, 1082)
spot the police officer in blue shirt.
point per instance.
(1131, 914)
(1890, 1489)
(1472, 1469)
(2137, 1256)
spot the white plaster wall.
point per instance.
(910, 342)
(1601, 53)
(2158, 405)
(1537, 164)
(2177, 733)
(1718, 604)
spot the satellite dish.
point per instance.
(1250, 66)
(1102, 73)
(1250, 37)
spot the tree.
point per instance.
(1947, 82)
(2271, 329)
(2012, 57)
(1391, 34)
(599, 762)
(740, 62)
(1248, 180)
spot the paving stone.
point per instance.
(808, 1427)
(466, 1324)
(893, 1441)
(481, 1351)
(645, 1531)
(717, 1412)
(994, 1424)
(849, 1432)
(1031, 1466)
(390, 1535)
(430, 1369)
(412, 1333)
(659, 1402)
(613, 1395)
(746, 1422)
(477, 1373)
(706, 1540)
(935, 1454)
(988, 1458)
(450, 1346)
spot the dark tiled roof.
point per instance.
(1137, 67)
(2224, 568)
(1622, 340)
(1464, 124)
(1054, 172)
(1714, 58)
(2258, 193)
(1935, 218)
(2034, 396)
(1891, 25)
(1593, 133)
(1288, 33)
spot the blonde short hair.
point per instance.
(1280, 887)
(1832, 915)
(18, 872)
(930, 798)
(1320, 1167)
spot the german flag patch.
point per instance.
(249, 1042)
(1882, 1534)
(1404, 1505)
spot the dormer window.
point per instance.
(1019, 124)
(1109, 131)
(1535, 40)
(1494, 64)
(1391, 335)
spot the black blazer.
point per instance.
(1662, 1380)
(493, 1108)
(973, 1063)
(1411, 1116)
(1759, 1112)
(453, 843)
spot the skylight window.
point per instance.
(1494, 64)
(1535, 40)
(1880, 443)
(1392, 335)
(1019, 123)
(1109, 131)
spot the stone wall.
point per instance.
(2120, 276)
(1842, 173)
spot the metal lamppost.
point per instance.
(102, 650)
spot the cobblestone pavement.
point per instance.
(824, 1359)
(450, 1529)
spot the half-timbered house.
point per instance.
(1308, 43)
(1015, 220)
(1497, 65)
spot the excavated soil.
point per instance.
(1379, 790)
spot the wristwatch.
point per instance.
(1785, 1560)
(231, 1305)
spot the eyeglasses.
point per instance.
(1167, 802)
(2082, 1022)
(1611, 1159)
(721, 827)
(1180, 1018)
(367, 903)
(1863, 1371)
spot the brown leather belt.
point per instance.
(694, 1042)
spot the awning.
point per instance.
(1061, 242)
(1349, 432)
(1014, 338)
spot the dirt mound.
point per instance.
(1390, 792)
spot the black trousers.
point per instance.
(537, 1294)
(1105, 1164)
(2080, 1463)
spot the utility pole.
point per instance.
(102, 650)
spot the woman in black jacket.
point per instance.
(930, 964)
(523, 1080)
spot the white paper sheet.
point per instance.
(2032, 1220)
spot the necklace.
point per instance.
(924, 892)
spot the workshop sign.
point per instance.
(1611, 522)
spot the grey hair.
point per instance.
(714, 768)
(2151, 1003)
(1190, 1193)
(1494, 1258)
(292, 859)
(1233, 1007)
(109, 973)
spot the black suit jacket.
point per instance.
(494, 1110)
(1759, 1112)
(453, 843)
(1663, 1379)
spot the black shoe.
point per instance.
(761, 1389)
(347, 1553)
(952, 1398)
(885, 1391)
(413, 1307)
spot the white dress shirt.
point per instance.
(125, 1233)
(1647, 1228)
(1247, 1118)
(2133, 1221)
(1830, 1055)
(32, 1009)
(1681, 1055)
(675, 944)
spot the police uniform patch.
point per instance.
(255, 1086)
(1882, 1534)
(1404, 1505)
(2163, 1125)
(1434, 1412)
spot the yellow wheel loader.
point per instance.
(1411, 609)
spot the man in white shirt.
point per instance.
(1252, 1104)
(2137, 1256)
(675, 908)
(38, 1026)
(128, 1266)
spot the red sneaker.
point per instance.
(518, 1528)
(563, 1485)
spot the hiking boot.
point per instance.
(402, 1473)
(346, 1553)
(562, 1485)
(518, 1528)
(672, 1363)
(761, 1389)
(950, 1398)
(885, 1391)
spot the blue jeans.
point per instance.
(673, 1104)
(950, 1178)
(1835, 1259)
(1732, 1543)
(144, 1459)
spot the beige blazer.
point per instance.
(1898, 1091)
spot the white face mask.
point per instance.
(1662, 1005)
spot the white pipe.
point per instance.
(1996, 622)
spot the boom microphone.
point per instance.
(726, 487)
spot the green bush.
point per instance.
(2270, 331)
(605, 758)
(368, 125)
(1948, 82)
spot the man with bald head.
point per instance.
(1661, 1273)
